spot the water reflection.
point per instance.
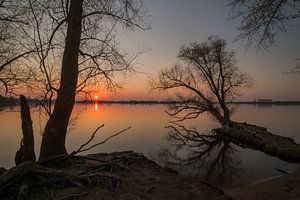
(148, 133)
(264, 105)
(96, 106)
(207, 155)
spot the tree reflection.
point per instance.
(206, 154)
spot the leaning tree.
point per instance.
(67, 47)
(205, 82)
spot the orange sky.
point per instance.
(185, 22)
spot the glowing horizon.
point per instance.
(185, 22)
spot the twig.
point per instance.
(282, 171)
(87, 142)
(82, 149)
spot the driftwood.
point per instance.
(259, 138)
(26, 151)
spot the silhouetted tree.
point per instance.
(74, 49)
(262, 20)
(208, 80)
(11, 73)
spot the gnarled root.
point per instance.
(80, 171)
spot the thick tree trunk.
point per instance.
(26, 151)
(222, 118)
(226, 120)
(54, 137)
(226, 115)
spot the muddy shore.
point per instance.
(141, 178)
(118, 175)
(285, 187)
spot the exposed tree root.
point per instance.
(76, 171)
(259, 138)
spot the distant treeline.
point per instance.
(267, 103)
(8, 101)
(127, 102)
(13, 101)
(173, 102)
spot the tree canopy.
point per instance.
(206, 81)
(262, 20)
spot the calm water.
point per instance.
(231, 164)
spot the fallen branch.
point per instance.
(90, 140)
(82, 149)
(282, 171)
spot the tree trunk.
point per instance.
(26, 151)
(226, 115)
(54, 137)
(227, 121)
(221, 118)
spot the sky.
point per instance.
(175, 23)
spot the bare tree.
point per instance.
(262, 20)
(74, 47)
(12, 74)
(208, 80)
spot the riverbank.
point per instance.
(129, 175)
(285, 187)
(118, 175)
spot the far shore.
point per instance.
(173, 102)
(14, 101)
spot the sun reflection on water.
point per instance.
(96, 107)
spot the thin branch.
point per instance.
(87, 142)
(82, 147)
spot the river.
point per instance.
(148, 134)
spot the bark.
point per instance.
(54, 137)
(222, 115)
(26, 151)
(226, 115)
(224, 118)
(259, 138)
